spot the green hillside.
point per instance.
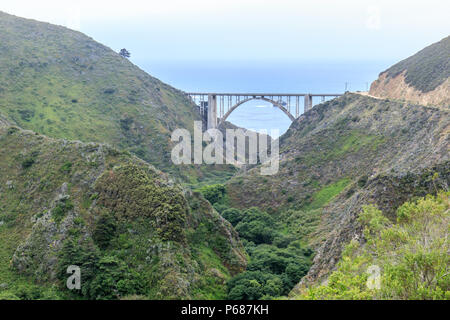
(63, 84)
(132, 232)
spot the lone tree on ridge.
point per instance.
(124, 53)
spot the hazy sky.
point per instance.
(277, 30)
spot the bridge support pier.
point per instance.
(212, 111)
(308, 102)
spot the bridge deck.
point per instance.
(266, 94)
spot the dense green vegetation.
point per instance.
(278, 259)
(213, 193)
(129, 193)
(411, 254)
(428, 68)
(132, 233)
(14, 286)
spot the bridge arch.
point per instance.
(275, 103)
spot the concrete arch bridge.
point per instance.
(216, 107)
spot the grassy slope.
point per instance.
(427, 69)
(63, 84)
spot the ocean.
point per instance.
(263, 76)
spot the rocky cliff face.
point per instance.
(346, 139)
(397, 88)
(387, 191)
(422, 78)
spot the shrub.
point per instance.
(7, 295)
(213, 193)
(61, 209)
(26, 115)
(27, 163)
(105, 229)
(256, 226)
(83, 254)
(114, 279)
(109, 91)
(362, 181)
(220, 208)
(66, 167)
(253, 285)
(135, 196)
(232, 215)
(289, 263)
(411, 254)
(126, 123)
(255, 231)
(26, 292)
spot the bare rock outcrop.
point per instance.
(397, 88)
(422, 78)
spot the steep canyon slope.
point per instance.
(131, 230)
(354, 151)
